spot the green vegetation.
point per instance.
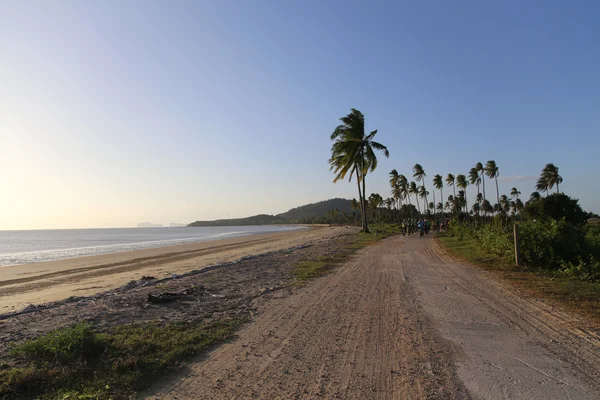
(79, 362)
(352, 153)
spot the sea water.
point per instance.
(32, 246)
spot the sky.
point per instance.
(118, 112)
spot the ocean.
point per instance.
(25, 247)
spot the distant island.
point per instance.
(149, 225)
(323, 212)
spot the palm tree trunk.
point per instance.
(442, 194)
(364, 174)
(434, 201)
(360, 198)
(483, 183)
(557, 191)
(497, 191)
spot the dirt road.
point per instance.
(400, 321)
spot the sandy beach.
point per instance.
(56, 280)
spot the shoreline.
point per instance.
(39, 283)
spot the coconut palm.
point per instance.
(413, 189)
(492, 171)
(439, 185)
(481, 170)
(552, 177)
(542, 184)
(395, 184)
(419, 175)
(353, 152)
(440, 207)
(487, 207)
(423, 194)
(475, 179)
(514, 193)
(504, 204)
(462, 182)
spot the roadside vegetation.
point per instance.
(79, 362)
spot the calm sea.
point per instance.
(24, 247)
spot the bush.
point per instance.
(557, 206)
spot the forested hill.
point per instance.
(319, 209)
(310, 213)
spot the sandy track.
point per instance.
(56, 280)
(401, 321)
(356, 333)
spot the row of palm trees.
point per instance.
(353, 155)
(402, 189)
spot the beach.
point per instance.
(39, 283)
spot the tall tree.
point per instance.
(353, 151)
(492, 171)
(439, 185)
(423, 194)
(413, 189)
(475, 179)
(450, 180)
(550, 172)
(420, 175)
(479, 167)
(462, 182)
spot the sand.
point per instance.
(39, 283)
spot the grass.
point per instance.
(321, 265)
(79, 362)
(574, 295)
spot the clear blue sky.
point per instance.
(117, 112)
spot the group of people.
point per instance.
(411, 226)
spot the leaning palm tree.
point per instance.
(514, 193)
(550, 171)
(439, 185)
(413, 189)
(542, 185)
(353, 152)
(492, 171)
(462, 182)
(419, 175)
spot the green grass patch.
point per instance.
(575, 295)
(79, 362)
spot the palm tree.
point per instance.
(487, 206)
(535, 196)
(514, 193)
(462, 182)
(542, 184)
(413, 189)
(450, 179)
(423, 194)
(492, 171)
(474, 178)
(550, 171)
(439, 185)
(481, 170)
(419, 175)
(440, 207)
(353, 152)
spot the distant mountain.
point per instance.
(318, 209)
(148, 225)
(310, 213)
